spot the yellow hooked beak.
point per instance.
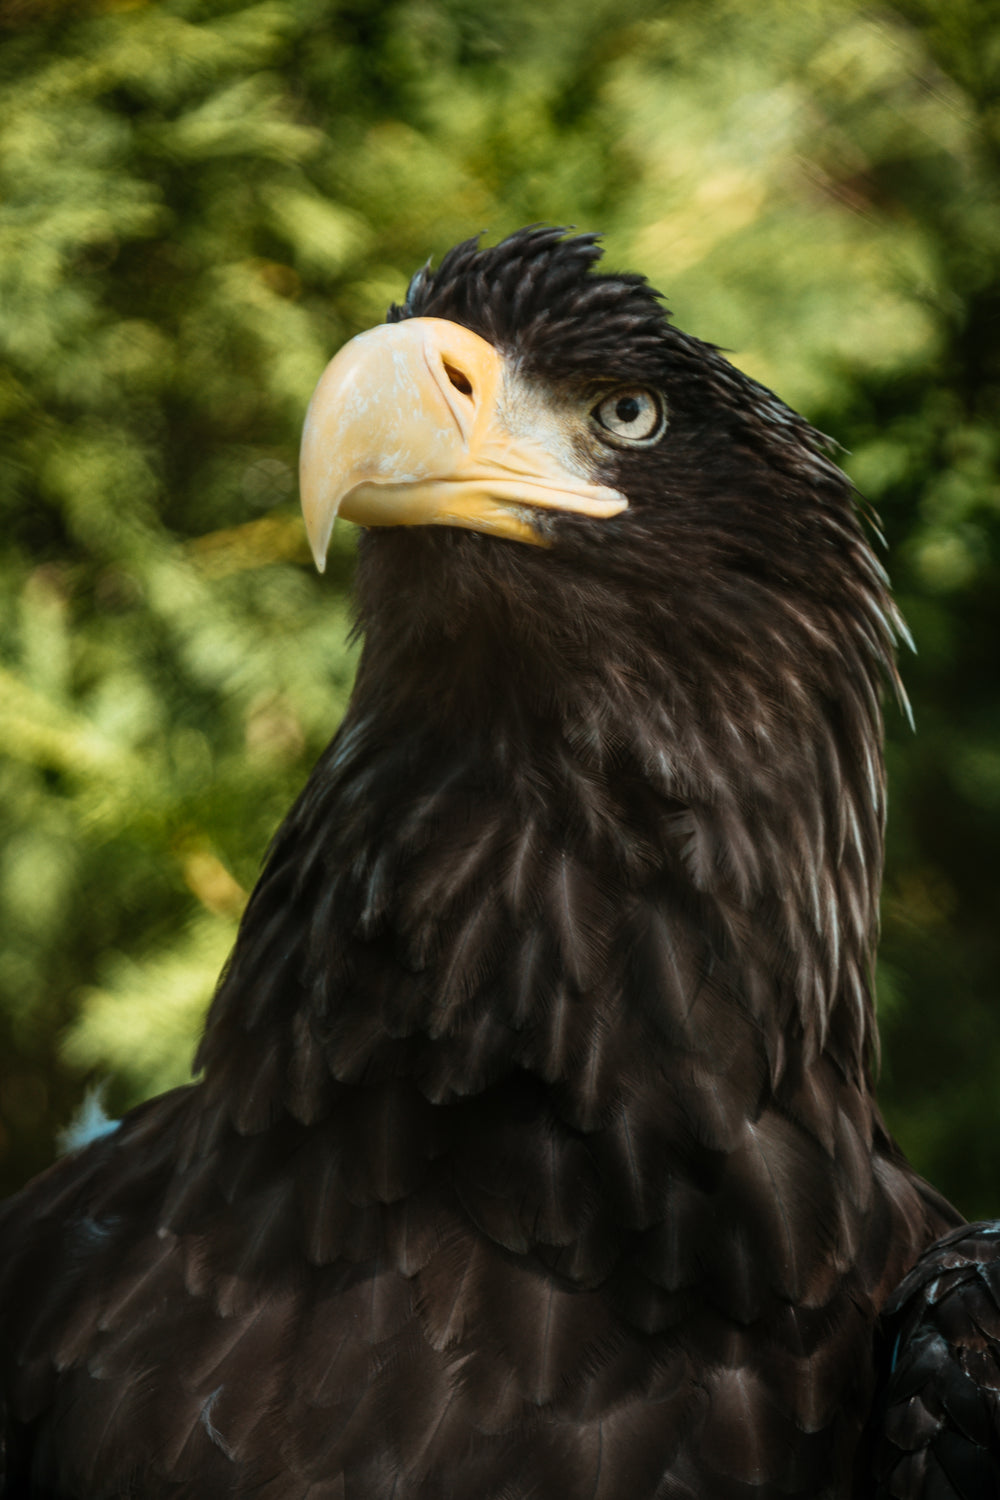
(421, 423)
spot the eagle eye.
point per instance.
(633, 415)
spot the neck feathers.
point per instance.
(576, 874)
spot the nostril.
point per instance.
(460, 381)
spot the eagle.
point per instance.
(534, 1152)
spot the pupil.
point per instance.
(627, 409)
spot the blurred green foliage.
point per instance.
(201, 199)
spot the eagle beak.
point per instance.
(422, 423)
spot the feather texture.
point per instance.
(536, 1153)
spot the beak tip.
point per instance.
(319, 511)
(318, 545)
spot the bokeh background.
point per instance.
(201, 199)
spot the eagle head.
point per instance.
(578, 466)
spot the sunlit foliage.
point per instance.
(200, 201)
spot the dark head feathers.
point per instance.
(538, 295)
(527, 293)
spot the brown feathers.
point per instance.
(535, 1153)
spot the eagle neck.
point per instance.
(511, 865)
